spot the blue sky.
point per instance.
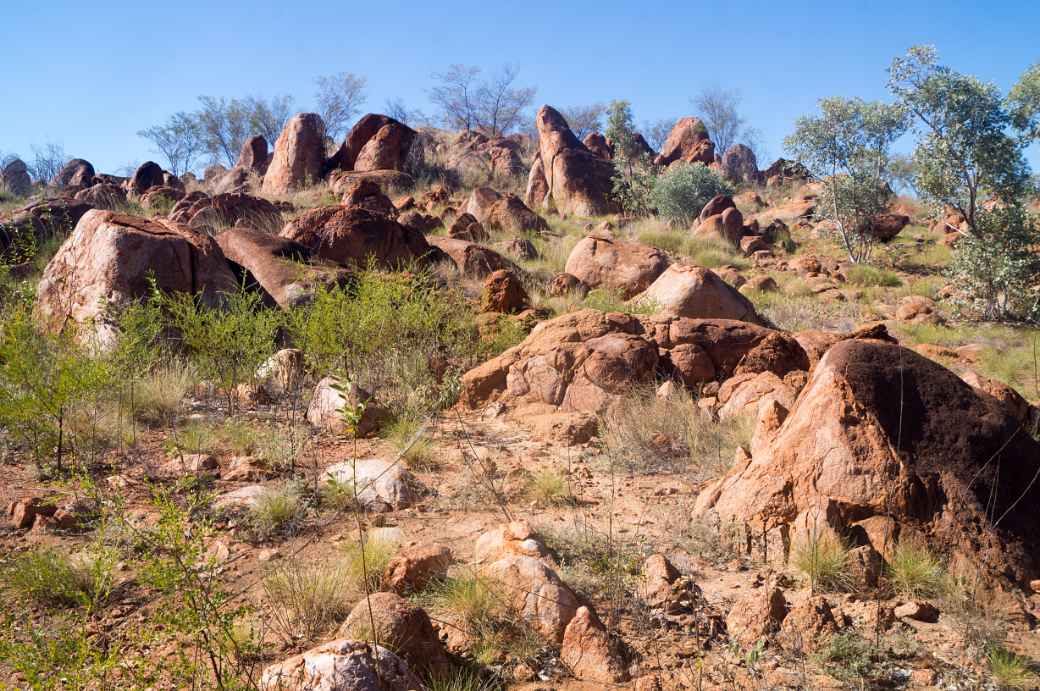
(90, 75)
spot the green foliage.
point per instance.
(193, 605)
(606, 300)
(276, 512)
(915, 572)
(634, 175)
(1024, 101)
(384, 332)
(43, 380)
(681, 191)
(847, 146)
(966, 150)
(1011, 671)
(870, 276)
(55, 579)
(823, 559)
(227, 342)
(847, 657)
(996, 268)
(370, 557)
(59, 656)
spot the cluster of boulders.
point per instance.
(513, 561)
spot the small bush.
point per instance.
(824, 561)
(58, 580)
(550, 488)
(227, 342)
(871, 276)
(606, 300)
(194, 437)
(1011, 671)
(846, 657)
(276, 512)
(712, 254)
(915, 572)
(306, 598)
(418, 453)
(601, 567)
(463, 679)
(682, 190)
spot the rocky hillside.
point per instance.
(434, 410)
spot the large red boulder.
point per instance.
(579, 182)
(472, 260)
(698, 293)
(688, 141)
(881, 434)
(627, 268)
(112, 258)
(503, 212)
(76, 174)
(376, 142)
(739, 164)
(281, 267)
(353, 236)
(298, 156)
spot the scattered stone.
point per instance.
(332, 397)
(413, 568)
(380, 485)
(400, 626)
(341, 665)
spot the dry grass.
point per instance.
(548, 487)
(915, 572)
(306, 598)
(823, 560)
(648, 433)
(158, 396)
(369, 557)
(276, 513)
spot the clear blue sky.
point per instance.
(89, 75)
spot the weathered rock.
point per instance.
(1013, 402)
(918, 309)
(597, 144)
(503, 292)
(414, 568)
(565, 284)
(111, 259)
(254, 156)
(76, 174)
(918, 610)
(298, 155)
(588, 650)
(471, 259)
(376, 142)
(578, 362)
(808, 625)
(159, 198)
(505, 212)
(353, 236)
(749, 394)
(341, 665)
(784, 172)
(389, 180)
(148, 175)
(658, 575)
(105, 196)
(332, 396)
(367, 194)
(880, 431)
(625, 267)
(40, 221)
(885, 227)
(726, 227)
(467, 227)
(695, 292)
(760, 284)
(534, 591)
(537, 186)
(757, 615)
(715, 206)
(739, 164)
(389, 620)
(227, 210)
(578, 182)
(520, 248)
(516, 538)
(688, 141)
(380, 485)
(419, 222)
(15, 179)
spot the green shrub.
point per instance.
(370, 556)
(385, 332)
(59, 580)
(44, 379)
(847, 657)
(550, 488)
(682, 190)
(606, 300)
(1011, 671)
(226, 342)
(869, 276)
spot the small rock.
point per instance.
(918, 610)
